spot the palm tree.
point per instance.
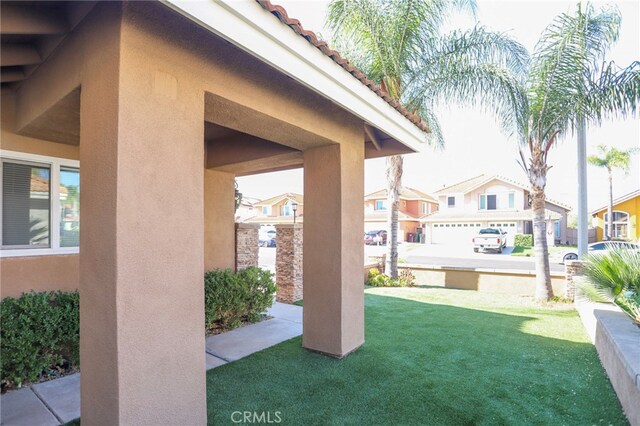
(611, 158)
(400, 45)
(570, 86)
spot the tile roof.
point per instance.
(311, 37)
(381, 216)
(470, 184)
(493, 215)
(619, 200)
(298, 198)
(40, 184)
(405, 192)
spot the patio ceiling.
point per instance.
(31, 31)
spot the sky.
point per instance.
(474, 143)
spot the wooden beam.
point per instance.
(32, 20)
(371, 132)
(18, 54)
(10, 75)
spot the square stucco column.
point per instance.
(333, 315)
(289, 262)
(219, 220)
(142, 251)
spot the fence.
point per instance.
(572, 236)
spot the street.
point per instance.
(440, 255)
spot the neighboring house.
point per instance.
(626, 211)
(489, 201)
(413, 205)
(247, 209)
(278, 209)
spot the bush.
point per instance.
(40, 336)
(376, 279)
(231, 299)
(523, 240)
(614, 277)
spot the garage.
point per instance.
(509, 227)
(453, 233)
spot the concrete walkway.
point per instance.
(57, 401)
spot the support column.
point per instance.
(289, 262)
(219, 219)
(141, 256)
(333, 249)
(247, 245)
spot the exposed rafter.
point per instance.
(371, 132)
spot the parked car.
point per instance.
(376, 237)
(267, 238)
(595, 248)
(490, 239)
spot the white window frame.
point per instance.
(383, 204)
(55, 164)
(605, 226)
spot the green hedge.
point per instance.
(231, 299)
(40, 334)
(523, 240)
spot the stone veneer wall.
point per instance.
(572, 268)
(289, 262)
(247, 245)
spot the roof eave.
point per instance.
(253, 29)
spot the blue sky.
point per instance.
(474, 142)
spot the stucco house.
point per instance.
(158, 106)
(626, 211)
(489, 201)
(413, 205)
(278, 209)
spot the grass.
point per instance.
(528, 251)
(432, 356)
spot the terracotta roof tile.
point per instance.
(311, 37)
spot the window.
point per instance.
(381, 205)
(425, 208)
(286, 209)
(556, 230)
(620, 225)
(451, 201)
(40, 204)
(266, 210)
(488, 202)
(512, 200)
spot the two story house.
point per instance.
(413, 205)
(278, 209)
(489, 201)
(626, 211)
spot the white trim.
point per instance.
(253, 29)
(55, 164)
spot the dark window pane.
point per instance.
(26, 202)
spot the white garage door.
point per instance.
(509, 227)
(454, 233)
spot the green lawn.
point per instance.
(432, 356)
(528, 251)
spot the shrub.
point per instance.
(614, 277)
(376, 279)
(523, 240)
(40, 335)
(231, 299)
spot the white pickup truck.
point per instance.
(490, 239)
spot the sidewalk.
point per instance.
(57, 401)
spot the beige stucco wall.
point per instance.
(512, 283)
(219, 218)
(38, 273)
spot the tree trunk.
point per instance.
(394, 182)
(538, 179)
(610, 235)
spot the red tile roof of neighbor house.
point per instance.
(40, 184)
(298, 198)
(405, 192)
(311, 37)
(618, 200)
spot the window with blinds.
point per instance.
(26, 205)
